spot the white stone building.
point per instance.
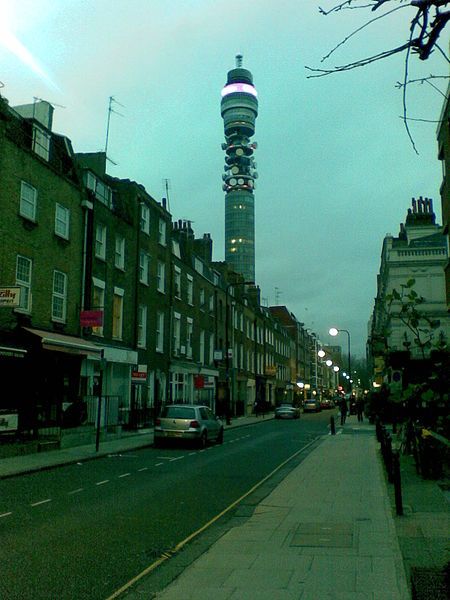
(419, 253)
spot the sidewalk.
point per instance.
(40, 461)
(325, 532)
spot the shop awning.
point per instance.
(12, 352)
(57, 342)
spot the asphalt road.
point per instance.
(83, 531)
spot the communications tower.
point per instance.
(239, 109)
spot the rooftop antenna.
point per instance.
(239, 58)
(166, 183)
(277, 295)
(36, 99)
(265, 301)
(111, 110)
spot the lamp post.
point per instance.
(334, 331)
(227, 350)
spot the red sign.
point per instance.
(138, 375)
(199, 382)
(91, 318)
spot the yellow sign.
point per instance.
(9, 296)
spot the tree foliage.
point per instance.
(420, 325)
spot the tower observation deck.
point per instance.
(239, 109)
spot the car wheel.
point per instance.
(203, 440)
(220, 437)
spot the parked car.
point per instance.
(311, 405)
(188, 422)
(326, 403)
(287, 411)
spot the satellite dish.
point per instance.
(233, 181)
(235, 170)
(239, 152)
(240, 181)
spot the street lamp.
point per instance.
(334, 331)
(227, 350)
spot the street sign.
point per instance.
(9, 296)
(139, 374)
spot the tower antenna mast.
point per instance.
(111, 110)
(239, 109)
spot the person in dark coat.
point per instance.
(360, 409)
(343, 409)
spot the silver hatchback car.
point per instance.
(189, 422)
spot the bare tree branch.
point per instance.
(405, 79)
(429, 15)
(422, 80)
(428, 22)
(341, 43)
(359, 63)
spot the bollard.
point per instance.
(389, 458)
(332, 426)
(378, 428)
(397, 482)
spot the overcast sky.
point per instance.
(336, 169)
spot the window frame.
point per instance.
(117, 318)
(100, 244)
(145, 219)
(190, 290)
(160, 331)
(119, 256)
(144, 267)
(98, 284)
(39, 148)
(23, 200)
(22, 283)
(162, 232)
(66, 222)
(142, 326)
(161, 277)
(61, 296)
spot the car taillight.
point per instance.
(157, 421)
(194, 424)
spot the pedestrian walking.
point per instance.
(360, 409)
(343, 410)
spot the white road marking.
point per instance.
(5, 514)
(102, 482)
(176, 458)
(77, 491)
(143, 469)
(192, 453)
(41, 502)
(164, 457)
(125, 475)
(158, 464)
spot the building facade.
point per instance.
(412, 273)
(111, 308)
